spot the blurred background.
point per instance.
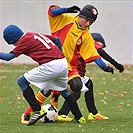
(114, 22)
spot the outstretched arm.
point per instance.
(7, 56)
(57, 10)
(108, 58)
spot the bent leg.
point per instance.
(28, 93)
(65, 108)
(71, 103)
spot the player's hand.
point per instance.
(73, 9)
(108, 69)
(119, 67)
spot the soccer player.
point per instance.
(100, 45)
(51, 72)
(76, 41)
(93, 112)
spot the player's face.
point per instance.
(84, 23)
(15, 44)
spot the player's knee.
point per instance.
(89, 84)
(75, 84)
(23, 83)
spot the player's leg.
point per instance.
(30, 97)
(75, 85)
(73, 106)
(90, 103)
(54, 96)
(65, 108)
(41, 96)
(64, 111)
(41, 77)
(61, 85)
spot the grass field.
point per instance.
(113, 97)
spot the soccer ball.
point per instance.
(52, 113)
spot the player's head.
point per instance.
(98, 37)
(89, 12)
(12, 34)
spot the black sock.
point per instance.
(65, 107)
(73, 106)
(30, 97)
(89, 98)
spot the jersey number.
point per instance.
(44, 40)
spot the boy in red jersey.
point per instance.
(51, 72)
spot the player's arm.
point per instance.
(108, 58)
(57, 41)
(7, 56)
(56, 10)
(103, 66)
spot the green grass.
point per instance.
(113, 97)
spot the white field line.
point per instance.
(10, 71)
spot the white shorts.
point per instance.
(84, 80)
(52, 75)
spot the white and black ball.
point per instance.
(52, 113)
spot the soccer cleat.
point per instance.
(64, 118)
(36, 116)
(98, 116)
(81, 120)
(25, 118)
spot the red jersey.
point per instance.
(39, 47)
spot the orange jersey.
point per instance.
(75, 40)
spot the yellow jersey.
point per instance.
(75, 40)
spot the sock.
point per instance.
(73, 106)
(30, 97)
(65, 108)
(54, 98)
(40, 98)
(89, 98)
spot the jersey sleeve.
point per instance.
(55, 10)
(58, 21)
(21, 48)
(87, 49)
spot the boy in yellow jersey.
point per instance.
(76, 41)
